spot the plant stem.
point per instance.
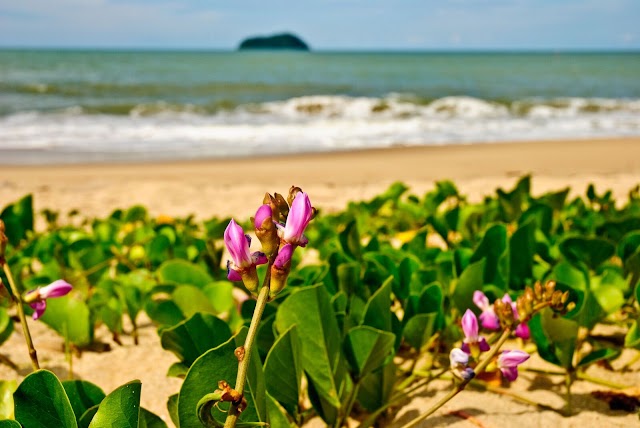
(23, 320)
(352, 400)
(479, 369)
(599, 381)
(568, 380)
(243, 365)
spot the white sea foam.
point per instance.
(312, 123)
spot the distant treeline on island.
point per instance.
(277, 41)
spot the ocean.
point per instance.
(94, 106)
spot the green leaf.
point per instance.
(350, 240)
(598, 355)
(87, 417)
(7, 388)
(276, 414)
(310, 309)
(377, 312)
(494, 250)
(172, 408)
(119, 409)
(215, 365)
(193, 337)
(220, 294)
(40, 401)
(469, 281)
(82, 395)
(150, 420)
(405, 272)
(376, 388)
(18, 219)
(69, 316)
(283, 370)
(181, 272)
(522, 248)
(191, 300)
(555, 337)
(8, 423)
(590, 251)
(6, 324)
(368, 349)
(632, 338)
(419, 329)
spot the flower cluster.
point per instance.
(280, 226)
(489, 319)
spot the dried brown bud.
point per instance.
(281, 208)
(549, 288)
(293, 191)
(504, 311)
(570, 306)
(227, 393)
(537, 291)
(565, 297)
(239, 353)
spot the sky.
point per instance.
(324, 24)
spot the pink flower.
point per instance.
(37, 298)
(508, 363)
(458, 360)
(488, 317)
(473, 344)
(238, 246)
(299, 217)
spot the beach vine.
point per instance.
(396, 296)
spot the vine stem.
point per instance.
(23, 319)
(243, 365)
(462, 385)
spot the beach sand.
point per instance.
(235, 188)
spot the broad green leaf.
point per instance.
(181, 272)
(82, 395)
(6, 324)
(119, 409)
(494, 250)
(276, 414)
(87, 417)
(70, 317)
(215, 365)
(193, 337)
(7, 388)
(598, 355)
(368, 349)
(172, 408)
(350, 240)
(522, 248)
(18, 219)
(310, 309)
(377, 312)
(405, 272)
(283, 370)
(419, 329)
(555, 337)
(469, 281)
(590, 251)
(376, 388)
(191, 300)
(150, 420)
(8, 423)
(220, 295)
(41, 402)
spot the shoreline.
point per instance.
(180, 188)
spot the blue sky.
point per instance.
(324, 24)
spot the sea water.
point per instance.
(79, 106)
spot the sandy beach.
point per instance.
(235, 187)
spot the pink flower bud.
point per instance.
(298, 219)
(473, 344)
(263, 213)
(238, 244)
(284, 256)
(488, 317)
(57, 288)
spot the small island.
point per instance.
(284, 41)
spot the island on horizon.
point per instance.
(282, 41)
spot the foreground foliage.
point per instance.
(370, 316)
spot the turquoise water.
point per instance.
(96, 105)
